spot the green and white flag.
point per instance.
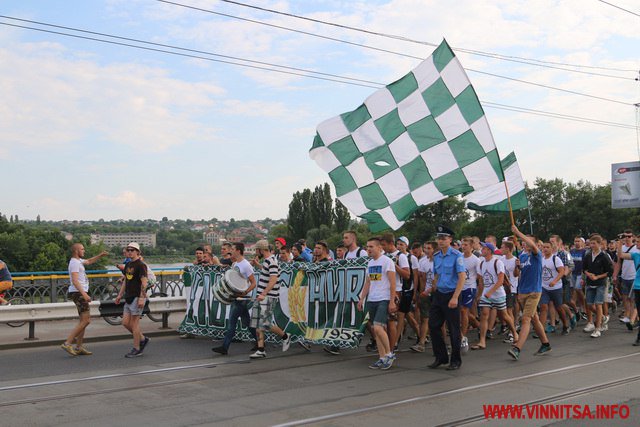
(412, 143)
(494, 198)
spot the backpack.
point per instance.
(506, 283)
(360, 251)
(565, 277)
(407, 283)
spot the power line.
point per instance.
(396, 37)
(365, 46)
(618, 7)
(301, 72)
(338, 79)
(366, 83)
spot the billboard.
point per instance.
(625, 185)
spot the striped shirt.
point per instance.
(269, 268)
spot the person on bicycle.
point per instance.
(79, 294)
(6, 282)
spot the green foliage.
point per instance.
(342, 217)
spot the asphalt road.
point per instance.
(182, 383)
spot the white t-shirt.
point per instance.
(426, 266)
(471, 266)
(550, 272)
(151, 277)
(510, 267)
(76, 265)
(628, 270)
(377, 270)
(356, 253)
(244, 268)
(403, 262)
(487, 270)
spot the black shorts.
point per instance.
(406, 301)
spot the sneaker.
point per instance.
(304, 345)
(596, 334)
(133, 353)
(573, 321)
(534, 335)
(590, 327)
(418, 348)
(286, 342)
(220, 350)
(625, 319)
(605, 319)
(371, 347)
(508, 339)
(69, 349)
(332, 350)
(392, 356)
(81, 351)
(427, 339)
(514, 352)
(187, 336)
(377, 364)
(550, 329)
(605, 327)
(144, 343)
(565, 331)
(489, 335)
(387, 363)
(629, 326)
(544, 349)
(464, 345)
(636, 343)
(259, 354)
(583, 315)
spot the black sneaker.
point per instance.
(371, 347)
(144, 343)
(637, 343)
(544, 349)
(133, 353)
(304, 345)
(332, 350)
(220, 350)
(629, 326)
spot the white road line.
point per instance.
(108, 376)
(445, 393)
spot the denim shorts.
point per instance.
(554, 295)
(577, 281)
(467, 296)
(625, 287)
(595, 295)
(133, 308)
(378, 312)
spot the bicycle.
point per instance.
(15, 300)
(110, 294)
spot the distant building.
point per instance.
(213, 237)
(123, 239)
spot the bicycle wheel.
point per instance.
(17, 301)
(157, 317)
(110, 294)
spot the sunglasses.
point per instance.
(131, 249)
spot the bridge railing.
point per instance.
(52, 286)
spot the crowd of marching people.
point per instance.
(467, 289)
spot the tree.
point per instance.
(321, 207)
(422, 224)
(38, 219)
(342, 217)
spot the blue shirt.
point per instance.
(530, 279)
(447, 268)
(5, 276)
(307, 254)
(635, 256)
(577, 255)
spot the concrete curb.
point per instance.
(47, 342)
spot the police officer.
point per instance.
(449, 277)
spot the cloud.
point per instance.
(53, 98)
(125, 201)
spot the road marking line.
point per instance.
(445, 393)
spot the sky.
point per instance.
(92, 130)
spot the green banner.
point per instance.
(317, 304)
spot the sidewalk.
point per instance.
(55, 332)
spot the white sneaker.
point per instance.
(590, 327)
(596, 334)
(625, 319)
(604, 327)
(286, 343)
(464, 344)
(259, 354)
(605, 319)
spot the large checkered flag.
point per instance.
(412, 143)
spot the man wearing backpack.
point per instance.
(552, 273)
(491, 278)
(350, 242)
(624, 274)
(567, 303)
(407, 296)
